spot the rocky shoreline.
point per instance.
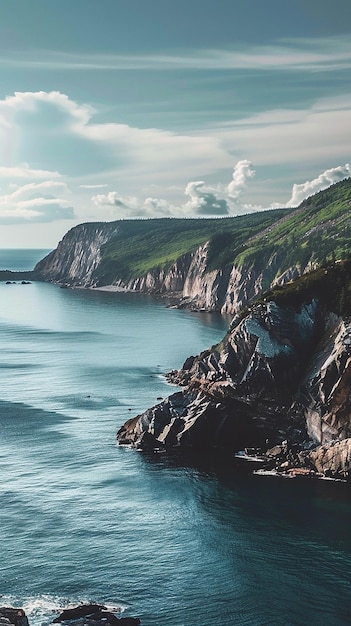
(82, 615)
(279, 383)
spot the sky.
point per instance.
(117, 109)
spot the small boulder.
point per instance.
(10, 615)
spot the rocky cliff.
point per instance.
(283, 372)
(280, 381)
(77, 256)
(211, 264)
(188, 280)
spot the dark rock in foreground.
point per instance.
(10, 615)
(94, 615)
(80, 611)
(84, 615)
(281, 377)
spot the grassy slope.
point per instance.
(318, 231)
(144, 245)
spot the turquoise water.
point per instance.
(173, 542)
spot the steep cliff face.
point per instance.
(281, 374)
(325, 392)
(77, 259)
(189, 280)
(77, 256)
(212, 264)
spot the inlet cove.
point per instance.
(175, 415)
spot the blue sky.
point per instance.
(146, 108)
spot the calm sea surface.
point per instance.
(174, 543)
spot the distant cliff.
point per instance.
(280, 381)
(211, 264)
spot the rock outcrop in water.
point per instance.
(94, 615)
(81, 615)
(11, 615)
(280, 379)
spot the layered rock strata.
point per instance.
(281, 374)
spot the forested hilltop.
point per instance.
(211, 264)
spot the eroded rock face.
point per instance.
(333, 459)
(237, 394)
(325, 392)
(77, 255)
(279, 375)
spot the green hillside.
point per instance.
(318, 231)
(144, 245)
(330, 284)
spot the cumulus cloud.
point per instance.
(242, 172)
(46, 136)
(51, 129)
(324, 180)
(203, 200)
(114, 199)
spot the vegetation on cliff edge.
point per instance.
(317, 232)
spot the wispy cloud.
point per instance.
(24, 172)
(315, 54)
(35, 203)
(98, 186)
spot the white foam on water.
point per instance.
(42, 609)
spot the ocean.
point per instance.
(173, 541)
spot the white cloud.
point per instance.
(55, 139)
(114, 199)
(203, 200)
(241, 174)
(35, 202)
(324, 180)
(93, 186)
(28, 100)
(50, 128)
(209, 201)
